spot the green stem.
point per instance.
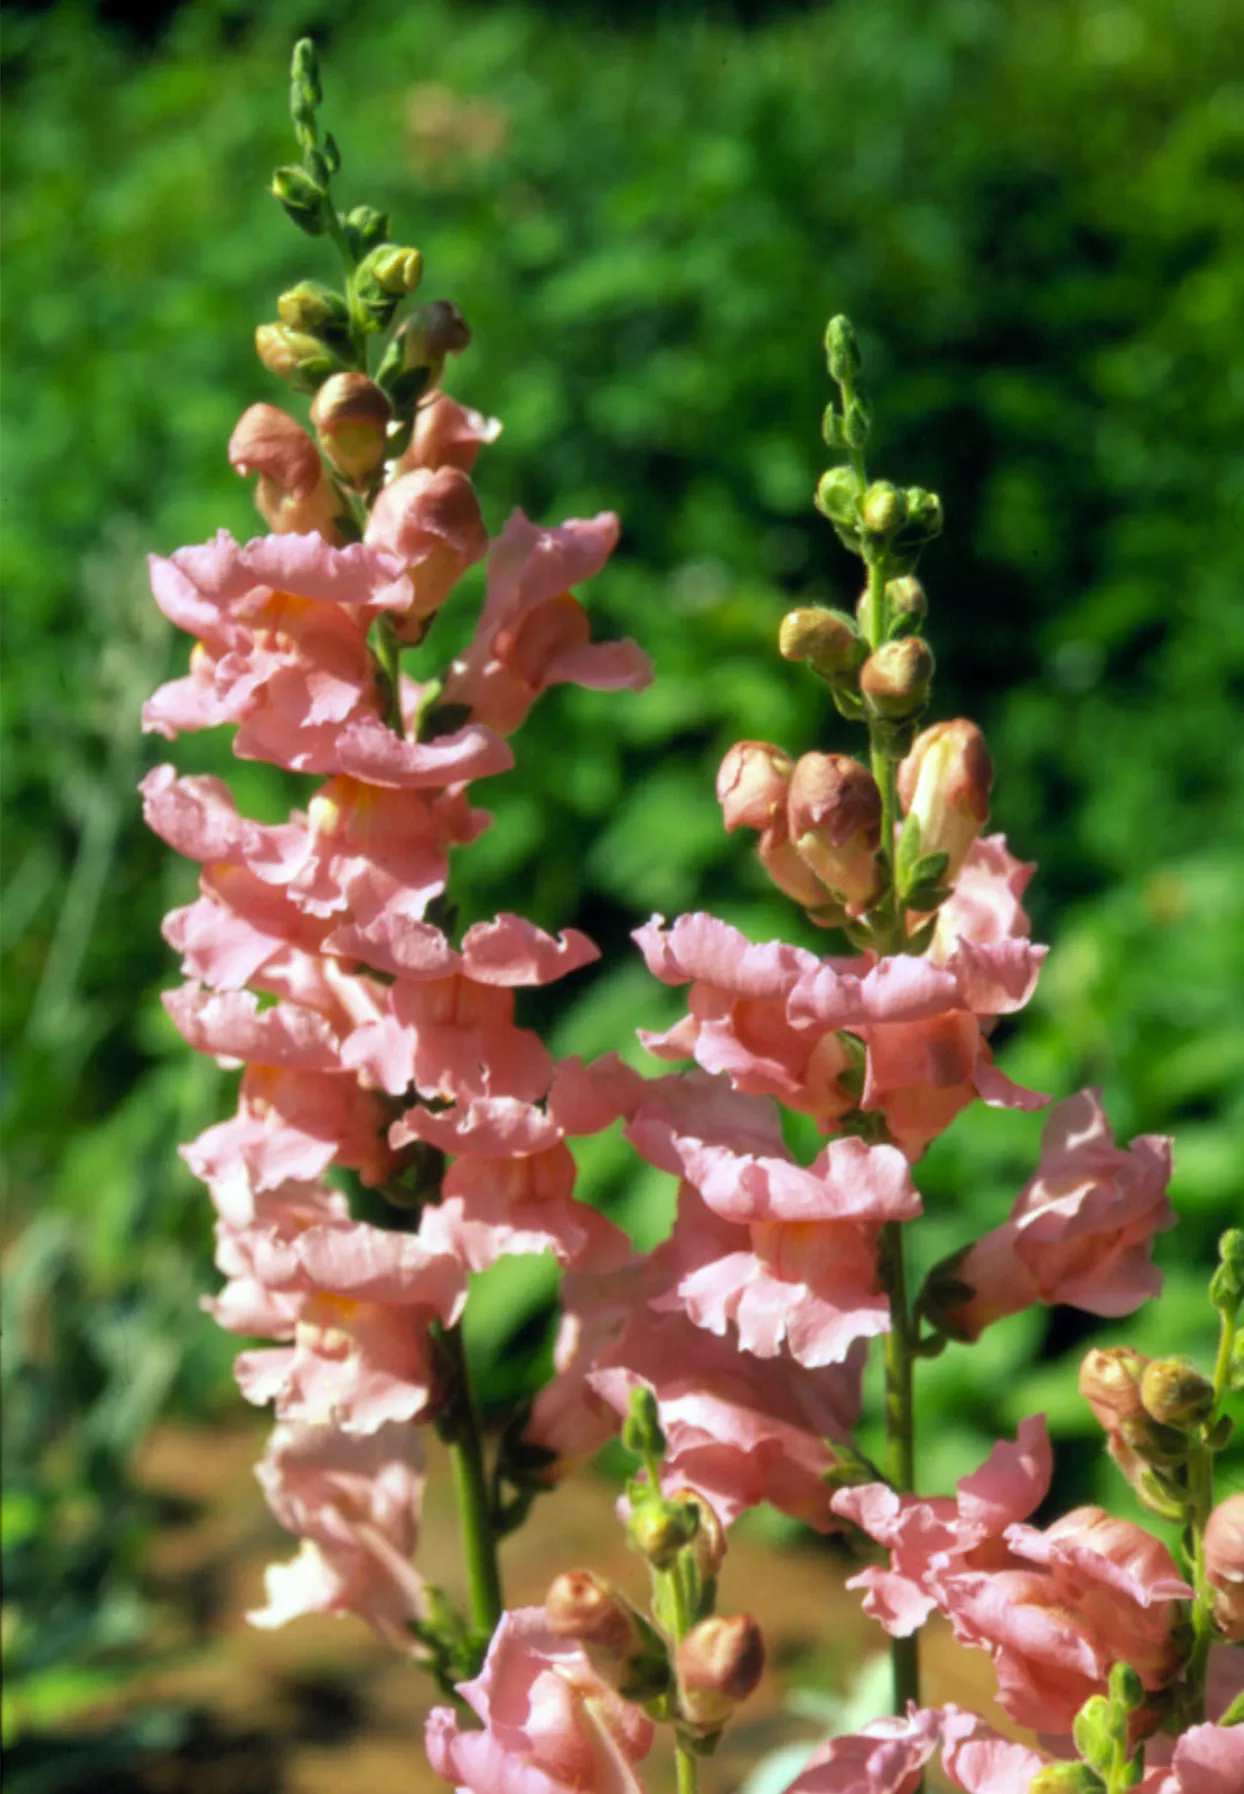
(686, 1763)
(1201, 1493)
(461, 1429)
(900, 1436)
(1226, 1351)
(686, 1771)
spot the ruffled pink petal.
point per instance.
(512, 951)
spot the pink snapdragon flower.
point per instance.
(929, 1537)
(887, 1756)
(551, 1726)
(1207, 1759)
(1081, 1230)
(354, 1501)
(447, 434)
(739, 1429)
(534, 632)
(292, 1125)
(293, 495)
(430, 521)
(1224, 1566)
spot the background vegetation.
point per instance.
(1036, 217)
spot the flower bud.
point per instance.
(834, 818)
(303, 198)
(641, 1430)
(1065, 1778)
(842, 350)
(752, 783)
(837, 496)
(415, 359)
(924, 514)
(895, 680)
(621, 1646)
(1095, 1730)
(295, 356)
(945, 783)
(908, 605)
(1224, 1566)
(883, 509)
(826, 639)
(1126, 1688)
(395, 271)
(719, 1663)
(312, 307)
(1174, 1393)
(351, 416)
(708, 1547)
(1110, 1383)
(659, 1529)
(1226, 1288)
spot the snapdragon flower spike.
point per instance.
(550, 1724)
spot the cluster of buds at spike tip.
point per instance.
(624, 1648)
(351, 417)
(819, 821)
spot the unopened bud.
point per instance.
(708, 1547)
(842, 350)
(882, 509)
(660, 1529)
(303, 199)
(1110, 1383)
(351, 416)
(1224, 1566)
(752, 783)
(895, 680)
(1066, 1778)
(788, 869)
(294, 356)
(838, 496)
(908, 605)
(1095, 1731)
(719, 1663)
(580, 1606)
(384, 276)
(416, 357)
(1226, 1288)
(834, 818)
(924, 513)
(292, 493)
(641, 1430)
(945, 782)
(826, 639)
(1126, 1688)
(313, 307)
(1174, 1393)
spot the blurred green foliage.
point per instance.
(1036, 217)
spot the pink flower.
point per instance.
(447, 435)
(930, 1537)
(292, 1125)
(977, 1758)
(364, 1299)
(534, 632)
(985, 902)
(1081, 1231)
(887, 1757)
(431, 522)
(740, 1021)
(569, 1419)
(740, 1429)
(1208, 1759)
(1224, 1566)
(551, 1726)
(354, 1502)
(293, 496)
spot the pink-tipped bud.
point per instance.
(945, 783)
(351, 416)
(895, 680)
(447, 434)
(1110, 1383)
(1174, 1393)
(834, 819)
(1224, 1566)
(752, 784)
(292, 494)
(785, 865)
(432, 522)
(719, 1663)
(580, 1606)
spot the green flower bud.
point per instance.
(641, 1430)
(660, 1529)
(313, 308)
(883, 509)
(303, 199)
(1126, 1688)
(842, 350)
(295, 356)
(1175, 1394)
(1095, 1731)
(924, 513)
(385, 276)
(1066, 1778)
(895, 680)
(831, 427)
(838, 496)
(827, 639)
(857, 420)
(365, 228)
(907, 603)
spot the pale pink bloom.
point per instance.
(431, 522)
(488, 1127)
(354, 1502)
(534, 632)
(985, 902)
(291, 1125)
(887, 1756)
(1224, 1566)
(924, 1027)
(1105, 1591)
(1081, 1231)
(364, 850)
(360, 1352)
(739, 1429)
(494, 1207)
(447, 434)
(1207, 1759)
(197, 815)
(740, 1021)
(586, 1099)
(551, 1726)
(569, 1418)
(931, 1536)
(293, 495)
(980, 1760)
(231, 1025)
(238, 925)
